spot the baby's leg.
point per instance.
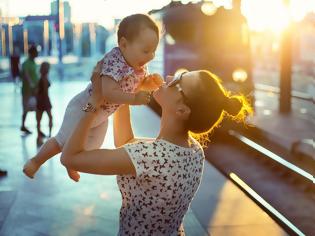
(49, 149)
(71, 118)
(95, 140)
(96, 136)
(54, 145)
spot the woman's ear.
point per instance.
(183, 111)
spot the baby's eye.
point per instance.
(146, 52)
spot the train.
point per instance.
(197, 36)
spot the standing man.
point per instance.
(29, 83)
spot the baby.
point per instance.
(123, 69)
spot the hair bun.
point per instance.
(232, 105)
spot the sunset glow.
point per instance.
(274, 14)
(261, 14)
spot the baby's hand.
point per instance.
(151, 82)
(141, 98)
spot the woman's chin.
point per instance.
(155, 93)
(157, 90)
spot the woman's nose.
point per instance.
(169, 78)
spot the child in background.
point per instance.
(123, 69)
(43, 101)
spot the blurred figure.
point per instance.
(15, 67)
(3, 172)
(43, 101)
(29, 84)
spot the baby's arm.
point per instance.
(112, 93)
(151, 82)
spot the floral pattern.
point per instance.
(116, 67)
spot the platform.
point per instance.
(52, 204)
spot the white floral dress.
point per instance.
(155, 201)
(116, 67)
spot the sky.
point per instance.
(261, 14)
(100, 11)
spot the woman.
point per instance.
(157, 177)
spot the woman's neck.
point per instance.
(173, 132)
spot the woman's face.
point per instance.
(141, 49)
(170, 98)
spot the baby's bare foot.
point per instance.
(30, 168)
(74, 175)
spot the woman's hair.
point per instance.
(210, 103)
(44, 68)
(131, 26)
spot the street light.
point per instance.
(286, 67)
(60, 28)
(208, 8)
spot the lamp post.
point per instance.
(60, 29)
(60, 33)
(286, 68)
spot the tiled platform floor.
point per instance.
(52, 204)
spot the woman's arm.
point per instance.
(122, 123)
(123, 132)
(102, 161)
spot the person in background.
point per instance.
(3, 172)
(43, 102)
(29, 84)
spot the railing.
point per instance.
(295, 94)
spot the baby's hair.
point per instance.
(211, 104)
(44, 68)
(131, 26)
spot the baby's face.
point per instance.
(141, 49)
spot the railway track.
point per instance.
(283, 189)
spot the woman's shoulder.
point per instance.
(195, 144)
(139, 143)
(162, 147)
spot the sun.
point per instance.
(275, 15)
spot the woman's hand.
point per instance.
(151, 82)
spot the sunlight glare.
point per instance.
(266, 15)
(274, 14)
